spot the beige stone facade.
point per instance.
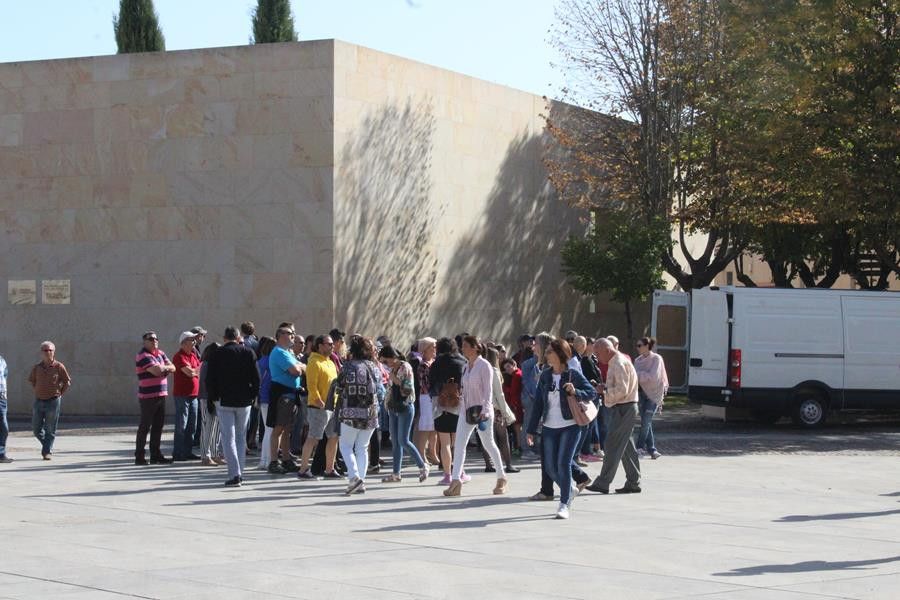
(318, 182)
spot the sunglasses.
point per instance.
(151, 339)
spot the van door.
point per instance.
(709, 339)
(871, 351)
(669, 325)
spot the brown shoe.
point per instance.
(219, 460)
(500, 488)
(207, 462)
(455, 488)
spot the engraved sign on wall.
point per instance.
(23, 291)
(56, 291)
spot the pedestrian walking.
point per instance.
(620, 396)
(50, 381)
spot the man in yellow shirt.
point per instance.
(320, 372)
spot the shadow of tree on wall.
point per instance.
(385, 223)
(505, 275)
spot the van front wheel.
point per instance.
(810, 410)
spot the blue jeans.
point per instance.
(559, 447)
(44, 418)
(645, 440)
(185, 426)
(4, 425)
(401, 425)
(234, 420)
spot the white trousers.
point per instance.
(463, 433)
(265, 452)
(354, 445)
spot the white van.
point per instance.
(790, 352)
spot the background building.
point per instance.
(319, 182)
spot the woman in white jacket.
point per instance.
(654, 383)
(503, 414)
(477, 404)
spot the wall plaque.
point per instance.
(22, 291)
(56, 291)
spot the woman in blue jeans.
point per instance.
(654, 384)
(560, 435)
(401, 412)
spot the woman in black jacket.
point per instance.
(446, 369)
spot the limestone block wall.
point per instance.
(444, 218)
(172, 189)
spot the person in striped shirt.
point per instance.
(152, 367)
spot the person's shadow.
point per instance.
(808, 566)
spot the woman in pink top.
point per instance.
(654, 383)
(477, 393)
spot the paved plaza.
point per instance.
(730, 513)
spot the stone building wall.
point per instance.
(173, 189)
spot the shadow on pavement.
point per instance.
(835, 516)
(442, 525)
(808, 566)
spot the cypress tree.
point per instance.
(273, 22)
(137, 27)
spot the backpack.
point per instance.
(449, 396)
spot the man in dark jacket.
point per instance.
(232, 379)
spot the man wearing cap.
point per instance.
(50, 380)
(200, 335)
(186, 389)
(152, 367)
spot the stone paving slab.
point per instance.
(787, 526)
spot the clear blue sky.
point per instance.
(504, 41)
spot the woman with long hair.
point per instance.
(426, 438)
(503, 414)
(654, 383)
(477, 408)
(357, 389)
(400, 401)
(444, 377)
(560, 434)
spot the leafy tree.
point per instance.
(817, 130)
(658, 67)
(137, 27)
(619, 256)
(273, 22)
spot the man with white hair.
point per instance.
(50, 380)
(620, 396)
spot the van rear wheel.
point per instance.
(810, 409)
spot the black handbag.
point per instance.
(473, 415)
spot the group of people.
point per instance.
(331, 400)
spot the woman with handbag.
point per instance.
(358, 387)
(478, 407)
(400, 401)
(654, 384)
(561, 434)
(444, 376)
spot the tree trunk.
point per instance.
(629, 325)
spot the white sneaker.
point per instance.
(562, 512)
(575, 492)
(655, 454)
